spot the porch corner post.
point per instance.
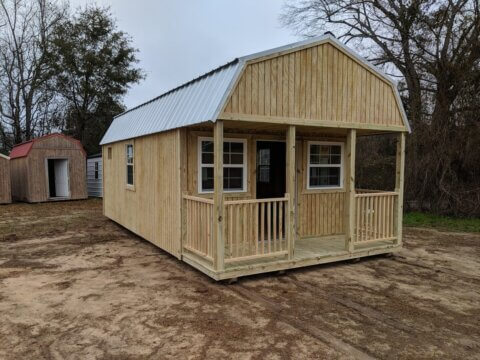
(399, 184)
(219, 254)
(291, 190)
(350, 213)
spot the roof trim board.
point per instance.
(203, 98)
(4, 156)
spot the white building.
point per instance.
(94, 175)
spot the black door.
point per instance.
(270, 169)
(51, 178)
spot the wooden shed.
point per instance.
(5, 188)
(250, 168)
(48, 168)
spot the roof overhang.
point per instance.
(203, 99)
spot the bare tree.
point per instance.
(433, 46)
(26, 99)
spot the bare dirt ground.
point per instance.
(76, 285)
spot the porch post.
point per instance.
(291, 133)
(350, 214)
(218, 196)
(399, 181)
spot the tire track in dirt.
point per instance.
(308, 329)
(279, 311)
(363, 310)
(435, 268)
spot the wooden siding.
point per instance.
(320, 212)
(5, 189)
(152, 208)
(192, 163)
(321, 84)
(19, 176)
(29, 177)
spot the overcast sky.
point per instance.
(181, 39)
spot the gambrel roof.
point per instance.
(202, 99)
(23, 149)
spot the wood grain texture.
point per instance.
(320, 83)
(28, 174)
(152, 209)
(5, 188)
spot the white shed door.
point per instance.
(61, 178)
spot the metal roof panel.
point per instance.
(191, 103)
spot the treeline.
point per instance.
(433, 49)
(61, 70)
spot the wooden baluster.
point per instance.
(274, 204)
(383, 216)
(245, 233)
(262, 226)
(280, 225)
(357, 215)
(369, 215)
(388, 216)
(255, 227)
(269, 229)
(238, 230)
(210, 226)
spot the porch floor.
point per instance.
(308, 251)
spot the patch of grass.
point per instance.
(441, 222)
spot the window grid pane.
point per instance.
(207, 178)
(130, 174)
(233, 165)
(325, 163)
(325, 154)
(325, 176)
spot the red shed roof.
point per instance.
(24, 148)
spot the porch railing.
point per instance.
(374, 216)
(256, 228)
(199, 226)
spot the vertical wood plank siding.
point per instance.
(5, 190)
(152, 209)
(19, 176)
(318, 83)
(321, 214)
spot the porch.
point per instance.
(226, 237)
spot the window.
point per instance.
(96, 170)
(109, 153)
(234, 165)
(263, 161)
(325, 165)
(130, 164)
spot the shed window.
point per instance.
(325, 165)
(96, 170)
(130, 164)
(234, 165)
(109, 153)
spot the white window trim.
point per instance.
(127, 165)
(341, 165)
(200, 165)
